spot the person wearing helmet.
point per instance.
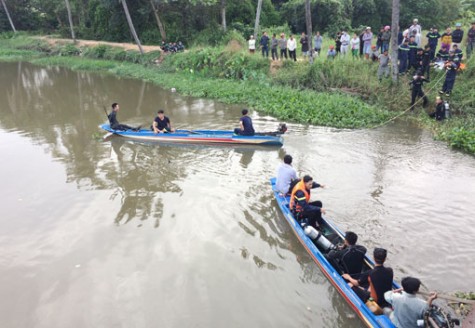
(386, 37)
(457, 35)
(374, 53)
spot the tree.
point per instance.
(223, 15)
(159, 21)
(308, 20)
(258, 15)
(394, 39)
(70, 17)
(8, 15)
(131, 26)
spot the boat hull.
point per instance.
(365, 314)
(197, 137)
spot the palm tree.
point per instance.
(8, 15)
(68, 7)
(131, 26)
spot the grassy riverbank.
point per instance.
(343, 93)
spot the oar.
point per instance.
(449, 298)
(105, 111)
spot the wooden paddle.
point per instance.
(449, 298)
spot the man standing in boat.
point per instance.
(300, 203)
(245, 125)
(161, 123)
(114, 123)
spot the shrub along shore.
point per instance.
(342, 93)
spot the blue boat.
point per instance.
(202, 136)
(335, 236)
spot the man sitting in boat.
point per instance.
(285, 175)
(350, 257)
(114, 123)
(375, 282)
(300, 205)
(408, 309)
(245, 125)
(161, 123)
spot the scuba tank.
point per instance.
(447, 109)
(319, 239)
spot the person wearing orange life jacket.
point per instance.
(305, 211)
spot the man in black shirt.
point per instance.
(417, 91)
(376, 282)
(245, 125)
(161, 123)
(114, 123)
(349, 259)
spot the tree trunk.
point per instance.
(70, 17)
(8, 15)
(308, 21)
(131, 26)
(258, 15)
(159, 21)
(394, 41)
(223, 15)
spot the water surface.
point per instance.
(117, 234)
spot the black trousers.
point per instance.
(312, 213)
(418, 93)
(283, 53)
(293, 54)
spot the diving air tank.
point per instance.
(447, 109)
(320, 240)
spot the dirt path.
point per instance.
(92, 43)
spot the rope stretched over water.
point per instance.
(410, 107)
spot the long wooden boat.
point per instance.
(200, 136)
(335, 236)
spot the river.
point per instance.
(111, 233)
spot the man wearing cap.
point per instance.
(470, 40)
(457, 35)
(416, 30)
(385, 37)
(367, 38)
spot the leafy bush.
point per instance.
(69, 50)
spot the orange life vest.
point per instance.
(299, 186)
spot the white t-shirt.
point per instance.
(291, 44)
(252, 44)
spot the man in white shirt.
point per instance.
(292, 46)
(345, 42)
(285, 174)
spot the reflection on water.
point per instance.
(118, 233)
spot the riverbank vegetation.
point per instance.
(342, 93)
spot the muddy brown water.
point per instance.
(122, 234)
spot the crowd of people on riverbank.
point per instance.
(375, 286)
(415, 56)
